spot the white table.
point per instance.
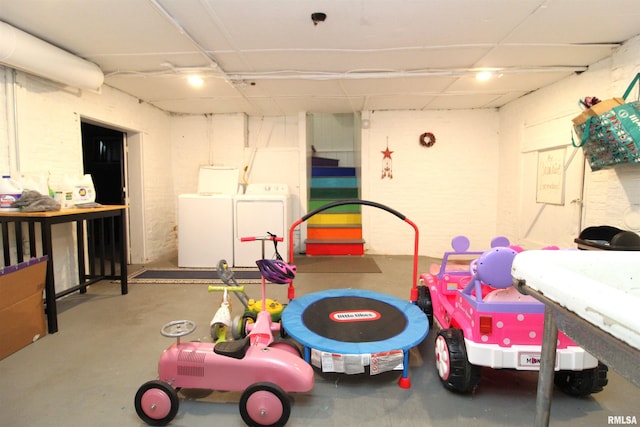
(593, 297)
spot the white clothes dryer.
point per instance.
(205, 219)
(262, 209)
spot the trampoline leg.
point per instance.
(307, 354)
(404, 381)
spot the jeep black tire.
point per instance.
(425, 303)
(582, 383)
(454, 369)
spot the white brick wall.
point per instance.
(611, 196)
(49, 138)
(5, 135)
(446, 190)
(471, 182)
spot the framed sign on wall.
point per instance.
(550, 183)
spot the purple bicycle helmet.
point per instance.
(276, 271)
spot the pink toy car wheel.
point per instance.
(265, 404)
(156, 403)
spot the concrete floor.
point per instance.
(108, 345)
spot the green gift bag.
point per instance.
(611, 137)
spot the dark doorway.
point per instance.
(103, 159)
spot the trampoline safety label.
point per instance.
(355, 363)
(386, 361)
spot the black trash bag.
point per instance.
(608, 237)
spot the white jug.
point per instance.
(10, 191)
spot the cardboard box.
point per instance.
(600, 108)
(605, 105)
(22, 319)
(581, 118)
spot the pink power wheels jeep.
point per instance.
(485, 321)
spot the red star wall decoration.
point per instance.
(387, 171)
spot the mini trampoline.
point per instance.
(356, 321)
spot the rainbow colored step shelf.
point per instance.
(336, 231)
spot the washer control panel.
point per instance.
(267, 188)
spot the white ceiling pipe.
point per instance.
(27, 53)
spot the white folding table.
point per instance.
(593, 297)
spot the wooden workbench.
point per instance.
(104, 246)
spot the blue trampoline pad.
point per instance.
(354, 321)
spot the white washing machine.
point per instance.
(262, 209)
(205, 219)
(205, 230)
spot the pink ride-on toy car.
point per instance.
(485, 321)
(264, 368)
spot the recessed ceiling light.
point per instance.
(195, 81)
(484, 75)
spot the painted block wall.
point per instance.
(610, 197)
(446, 190)
(613, 196)
(7, 146)
(205, 140)
(470, 182)
(266, 146)
(234, 140)
(49, 141)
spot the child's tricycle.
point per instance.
(262, 367)
(252, 307)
